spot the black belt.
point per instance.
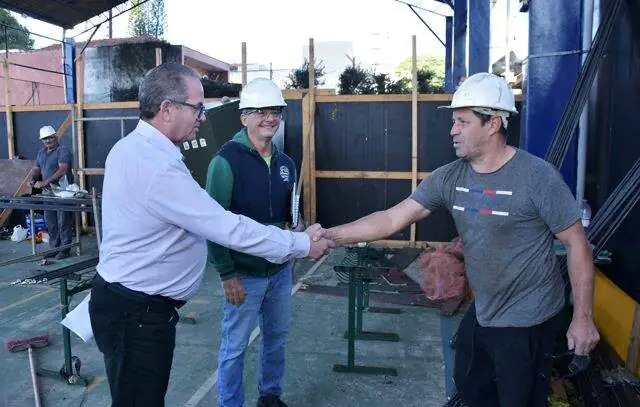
(137, 295)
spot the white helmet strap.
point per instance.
(492, 112)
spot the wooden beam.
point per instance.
(80, 129)
(444, 98)
(64, 126)
(11, 147)
(312, 131)
(244, 64)
(40, 108)
(399, 175)
(634, 342)
(111, 105)
(305, 176)
(158, 56)
(414, 125)
(406, 243)
(91, 171)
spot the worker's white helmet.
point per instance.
(46, 131)
(259, 93)
(484, 90)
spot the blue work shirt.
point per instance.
(48, 161)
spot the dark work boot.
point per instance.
(270, 400)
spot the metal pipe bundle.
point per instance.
(571, 115)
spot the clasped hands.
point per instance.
(320, 242)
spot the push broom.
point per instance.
(28, 344)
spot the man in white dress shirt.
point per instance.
(156, 222)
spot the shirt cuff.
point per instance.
(300, 244)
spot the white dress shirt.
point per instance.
(156, 220)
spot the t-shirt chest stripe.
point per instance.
(470, 196)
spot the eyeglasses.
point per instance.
(262, 114)
(198, 107)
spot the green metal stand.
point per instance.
(354, 332)
(70, 371)
(362, 300)
(376, 310)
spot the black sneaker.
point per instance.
(270, 400)
(62, 255)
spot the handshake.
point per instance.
(320, 240)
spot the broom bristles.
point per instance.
(18, 345)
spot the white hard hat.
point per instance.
(484, 90)
(47, 131)
(259, 93)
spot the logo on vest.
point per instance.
(284, 173)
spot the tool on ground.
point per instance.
(29, 344)
(577, 364)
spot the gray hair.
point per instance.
(164, 82)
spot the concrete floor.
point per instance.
(315, 344)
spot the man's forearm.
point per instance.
(375, 226)
(56, 176)
(581, 274)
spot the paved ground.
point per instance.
(315, 344)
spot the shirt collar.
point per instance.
(158, 139)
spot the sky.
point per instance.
(276, 32)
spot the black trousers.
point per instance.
(504, 367)
(136, 333)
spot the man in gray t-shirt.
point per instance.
(507, 219)
(53, 167)
(507, 206)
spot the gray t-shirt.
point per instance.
(507, 220)
(48, 161)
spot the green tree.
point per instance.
(402, 85)
(430, 73)
(16, 37)
(382, 83)
(299, 79)
(355, 80)
(148, 19)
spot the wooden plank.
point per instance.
(382, 98)
(634, 342)
(369, 175)
(64, 126)
(91, 171)
(11, 148)
(414, 125)
(39, 108)
(297, 94)
(406, 243)
(306, 191)
(158, 56)
(312, 132)
(322, 98)
(244, 64)
(14, 181)
(111, 105)
(292, 94)
(80, 129)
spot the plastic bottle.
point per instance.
(585, 211)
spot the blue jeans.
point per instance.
(269, 300)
